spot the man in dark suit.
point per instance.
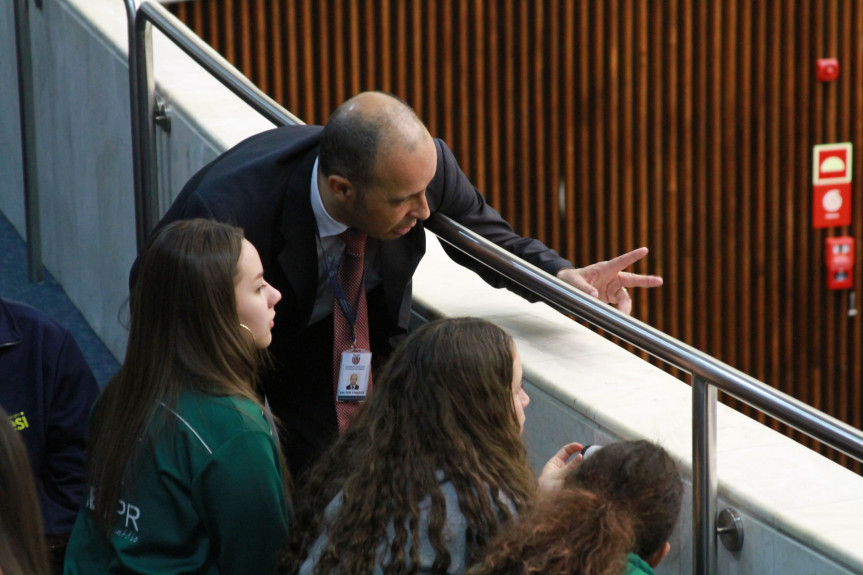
(376, 169)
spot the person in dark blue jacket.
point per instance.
(48, 389)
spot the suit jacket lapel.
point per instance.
(399, 260)
(299, 257)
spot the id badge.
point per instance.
(354, 375)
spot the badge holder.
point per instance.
(354, 375)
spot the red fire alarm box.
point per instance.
(839, 259)
(831, 185)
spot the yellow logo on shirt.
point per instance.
(19, 421)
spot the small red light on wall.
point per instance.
(827, 69)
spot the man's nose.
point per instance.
(421, 209)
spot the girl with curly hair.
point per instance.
(431, 467)
(614, 516)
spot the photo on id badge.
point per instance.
(354, 376)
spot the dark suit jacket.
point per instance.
(262, 186)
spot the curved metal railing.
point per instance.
(708, 374)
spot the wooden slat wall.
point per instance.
(602, 125)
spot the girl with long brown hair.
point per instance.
(22, 543)
(185, 474)
(431, 467)
(614, 516)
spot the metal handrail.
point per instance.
(708, 374)
(140, 19)
(27, 115)
(759, 395)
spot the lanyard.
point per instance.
(339, 292)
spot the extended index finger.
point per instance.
(625, 260)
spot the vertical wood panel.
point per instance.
(670, 158)
(788, 248)
(476, 99)
(509, 120)
(494, 104)
(464, 125)
(752, 172)
(307, 60)
(643, 190)
(655, 207)
(611, 134)
(401, 49)
(257, 48)
(602, 125)
(275, 53)
(323, 20)
(625, 148)
(686, 126)
(856, 340)
(522, 125)
(843, 364)
(583, 184)
(419, 71)
(572, 129)
(552, 120)
(537, 178)
(766, 358)
(293, 86)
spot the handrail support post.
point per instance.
(143, 108)
(27, 114)
(704, 479)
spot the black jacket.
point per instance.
(48, 390)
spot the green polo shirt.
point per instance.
(207, 499)
(635, 565)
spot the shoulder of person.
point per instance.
(635, 565)
(216, 419)
(292, 138)
(18, 320)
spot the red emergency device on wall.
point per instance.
(839, 259)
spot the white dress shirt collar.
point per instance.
(327, 226)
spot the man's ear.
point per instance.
(340, 188)
(658, 555)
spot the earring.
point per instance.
(245, 327)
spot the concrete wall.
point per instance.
(801, 511)
(11, 170)
(84, 160)
(83, 135)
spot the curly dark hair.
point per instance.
(442, 405)
(625, 498)
(574, 532)
(642, 477)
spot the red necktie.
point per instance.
(350, 276)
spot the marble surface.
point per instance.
(84, 146)
(796, 503)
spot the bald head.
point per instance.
(361, 134)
